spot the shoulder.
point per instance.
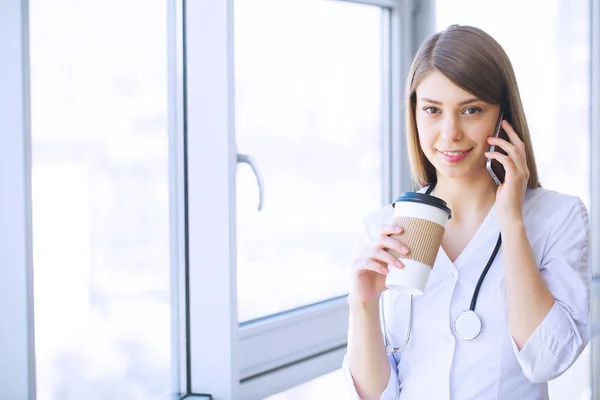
(546, 210)
(551, 204)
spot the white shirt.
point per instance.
(437, 365)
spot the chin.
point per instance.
(457, 172)
(472, 172)
(453, 174)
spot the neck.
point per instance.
(467, 196)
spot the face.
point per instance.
(453, 127)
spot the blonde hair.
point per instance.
(477, 63)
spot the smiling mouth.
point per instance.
(454, 156)
(455, 153)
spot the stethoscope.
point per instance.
(467, 325)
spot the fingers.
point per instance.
(502, 159)
(391, 243)
(387, 230)
(516, 161)
(513, 136)
(515, 148)
(510, 149)
(387, 242)
(376, 257)
(512, 172)
(380, 253)
(520, 156)
(383, 256)
(379, 260)
(373, 265)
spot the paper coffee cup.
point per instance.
(423, 218)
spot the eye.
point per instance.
(472, 110)
(431, 110)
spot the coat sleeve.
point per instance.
(561, 337)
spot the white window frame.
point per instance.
(177, 206)
(17, 367)
(259, 358)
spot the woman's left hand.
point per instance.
(511, 194)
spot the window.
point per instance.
(100, 150)
(308, 110)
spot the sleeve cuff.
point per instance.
(391, 391)
(540, 358)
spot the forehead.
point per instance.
(436, 86)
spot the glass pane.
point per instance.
(101, 199)
(553, 76)
(308, 87)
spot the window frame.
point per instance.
(17, 366)
(181, 382)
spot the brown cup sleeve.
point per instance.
(422, 238)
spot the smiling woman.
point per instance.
(533, 308)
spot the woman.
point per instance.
(534, 300)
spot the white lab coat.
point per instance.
(437, 365)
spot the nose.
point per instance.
(451, 129)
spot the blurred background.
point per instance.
(311, 99)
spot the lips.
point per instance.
(454, 156)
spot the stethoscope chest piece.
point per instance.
(467, 325)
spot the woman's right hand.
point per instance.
(371, 267)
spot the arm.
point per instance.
(529, 299)
(368, 362)
(548, 307)
(369, 372)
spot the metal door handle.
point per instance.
(246, 159)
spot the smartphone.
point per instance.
(495, 168)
